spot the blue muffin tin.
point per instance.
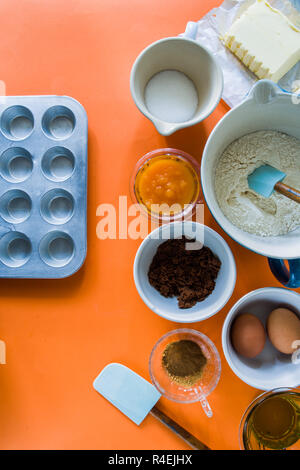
(43, 186)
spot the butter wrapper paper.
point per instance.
(238, 80)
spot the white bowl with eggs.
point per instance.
(271, 368)
(168, 307)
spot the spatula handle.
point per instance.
(287, 191)
(191, 440)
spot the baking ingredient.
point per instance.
(248, 335)
(265, 41)
(283, 328)
(276, 215)
(184, 361)
(275, 422)
(169, 180)
(190, 275)
(171, 96)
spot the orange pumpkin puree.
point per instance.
(167, 179)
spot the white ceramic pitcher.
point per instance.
(184, 55)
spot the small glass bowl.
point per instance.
(247, 438)
(172, 390)
(189, 210)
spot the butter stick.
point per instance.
(265, 41)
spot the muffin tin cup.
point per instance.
(58, 164)
(58, 122)
(17, 122)
(15, 206)
(57, 206)
(16, 165)
(57, 249)
(15, 249)
(43, 196)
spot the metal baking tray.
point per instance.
(43, 186)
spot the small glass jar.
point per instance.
(250, 439)
(171, 389)
(189, 209)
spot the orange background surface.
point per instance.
(60, 334)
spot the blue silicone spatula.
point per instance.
(266, 179)
(136, 398)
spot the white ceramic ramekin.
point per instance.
(266, 107)
(168, 307)
(270, 369)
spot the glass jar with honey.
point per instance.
(166, 184)
(272, 421)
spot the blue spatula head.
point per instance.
(264, 178)
(127, 391)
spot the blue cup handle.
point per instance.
(288, 277)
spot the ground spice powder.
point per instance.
(184, 361)
(188, 275)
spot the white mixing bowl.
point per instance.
(168, 307)
(266, 107)
(270, 369)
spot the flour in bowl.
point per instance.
(276, 215)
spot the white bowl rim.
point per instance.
(252, 382)
(187, 319)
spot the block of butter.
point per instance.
(265, 41)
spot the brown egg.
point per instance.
(248, 335)
(283, 328)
